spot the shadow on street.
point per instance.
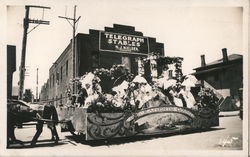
(122, 140)
(40, 143)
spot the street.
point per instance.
(227, 136)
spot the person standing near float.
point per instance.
(82, 95)
(49, 113)
(52, 124)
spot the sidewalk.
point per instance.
(229, 113)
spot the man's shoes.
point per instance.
(32, 144)
(19, 142)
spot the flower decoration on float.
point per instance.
(207, 98)
(131, 93)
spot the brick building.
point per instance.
(99, 49)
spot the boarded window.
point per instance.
(53, 79)
(61, 73)
(50, 82)
(95, 59)
(57, 77)
(67, 66)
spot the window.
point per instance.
(95, 59)
(126, 61)
(67, 66)
(61, 73)
(57, 77)
(50, 82)
(53, 79)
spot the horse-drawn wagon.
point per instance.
(155, 120)
(140, 105)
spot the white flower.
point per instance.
(139, 79)
(87, 78)
(188, 97)
(120, 89)
(91, 99)
(171, 67)
(190, 81)
(118, 102)
(132, 84)
(146, 88)
(178, 102)
(169, 83)
(109, 97)
(160, 82)
(99, 104)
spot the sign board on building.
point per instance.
(123, 43)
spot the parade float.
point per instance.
(158, 100)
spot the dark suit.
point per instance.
(49, 112)
(82, 96)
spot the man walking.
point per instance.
(51, 117)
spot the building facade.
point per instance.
(225, 75)
(11, 68)
(44, 93)
(99, 49)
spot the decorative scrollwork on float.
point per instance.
(207, 113)
(206, 117)
(110, 127)
(103, 119)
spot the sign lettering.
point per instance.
(162, 109)
(123, 43)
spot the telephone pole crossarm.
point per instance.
(34, 6)
(39, 22)
(66, 18)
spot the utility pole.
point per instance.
(74, 21)
(26, 22)
(36, 84)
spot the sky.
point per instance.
(186, 31)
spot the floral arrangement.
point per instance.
(117, 90)
(165, 63)
(103, 103)
(207, 98)
(101, 72)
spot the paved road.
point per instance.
(228, 136)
